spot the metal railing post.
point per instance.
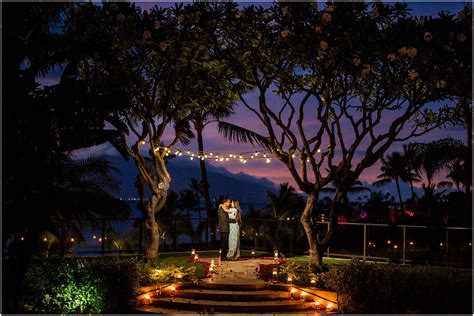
(365, 241)
(102, 243)
(264, 235)
(207, 232)
(447, 246)
(328, 246)
(404, 244)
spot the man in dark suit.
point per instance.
(224, 221)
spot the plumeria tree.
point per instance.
(335, 87)
(159, 63)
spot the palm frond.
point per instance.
(239, 134)
(382, 182)
(328, 190)
(183, 131)
(443, 184)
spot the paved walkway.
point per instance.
(241, 271)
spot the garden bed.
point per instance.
(364, 287)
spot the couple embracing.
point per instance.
(230, 222)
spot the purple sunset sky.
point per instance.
(275, 171)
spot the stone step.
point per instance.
(239, 296)
(209, 306)
(162, 310)
(233, 284)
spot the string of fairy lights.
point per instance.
(242, 157)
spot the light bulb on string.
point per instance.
(210, 154)
(319, 150)
(180, 154)
(268, 160)
(191, 158)
(227, 159)
(251, 157)
(264, 155)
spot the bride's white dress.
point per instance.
(234, 236)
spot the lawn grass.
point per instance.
(181, 260)
(329, 261)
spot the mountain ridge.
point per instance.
(246, 188)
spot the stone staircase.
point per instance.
(234, 289)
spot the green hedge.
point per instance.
(385, 288)
(103, 285)
(98, 285)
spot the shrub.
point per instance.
(101, 285)
(380, 288)
(300, 272)
(167, 270)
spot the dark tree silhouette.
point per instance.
(362, 75)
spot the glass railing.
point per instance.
(437, 245)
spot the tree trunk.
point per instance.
(202, 163)
(310, 228)
(323, 245)
(402, 216)
(149, 207)
(15, 269)
(151, 227)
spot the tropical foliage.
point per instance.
(356, 63)
(103, 285)
(46, 189)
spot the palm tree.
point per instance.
(200, 117)
(212, 102)
(173, 221)
(458, 175)
(413, 163)
(393, 168)
(252, 226)
(356, 187)
(284, 205)
(435, 156)
(188, 201)
(377, 205)
(198, 187)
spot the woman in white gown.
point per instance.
(234, 231)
